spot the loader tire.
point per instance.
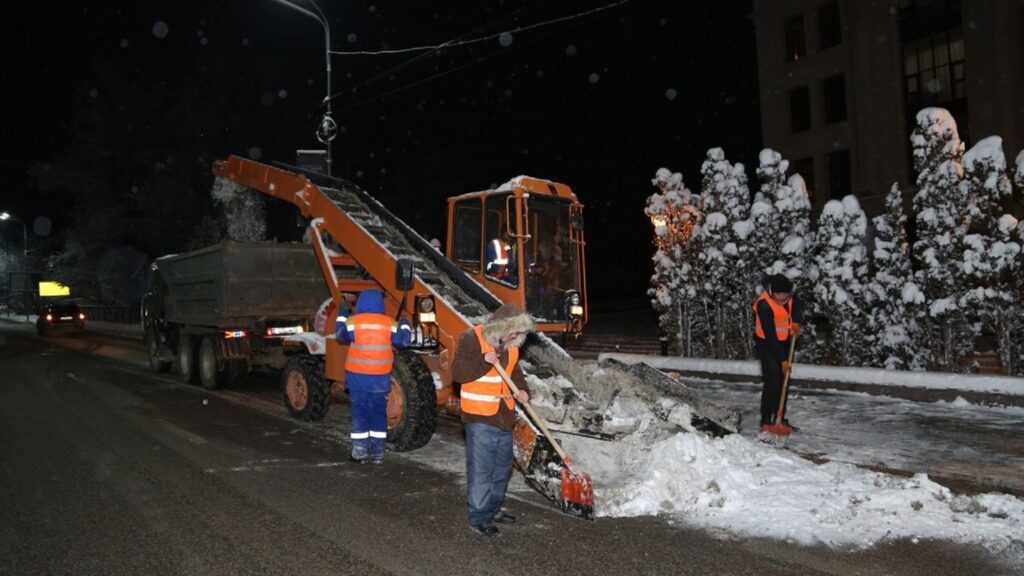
(212, 374)
(187, 372)
(156, 363)
(412, 403)
(307, 394)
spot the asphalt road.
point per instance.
(109, 469)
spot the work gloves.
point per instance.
(794, 329)
(785, 367)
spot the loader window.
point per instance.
(500, 263)
(466, 243)
(552, 261)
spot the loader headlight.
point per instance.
(576, 310)
(426, 304)
(427, 318)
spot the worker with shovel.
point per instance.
(776, 316)
(488, 410)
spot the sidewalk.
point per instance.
(916, 386)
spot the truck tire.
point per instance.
(212, 374)
(307, 394)
(156, 363)
(187, 360)
(412, 403)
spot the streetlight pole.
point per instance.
(327, 128)
(6, 216)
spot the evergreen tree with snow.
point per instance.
(769, 230)
(990, 264)
(840, 259)
(673, 285)
(892, 294)
(724, 290)
(939, 204)
(793, 206)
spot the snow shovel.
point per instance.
(780, 430)
(577, 487)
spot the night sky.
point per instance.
(599, 102)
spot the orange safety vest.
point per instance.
(370, 351)
(481, 396)
(500, 261)
(783, 317)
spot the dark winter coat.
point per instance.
(469, 363)
(370, 301)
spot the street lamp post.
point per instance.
(327, 129)
(6, 216)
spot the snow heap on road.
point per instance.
(660, 465)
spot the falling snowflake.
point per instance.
(245, 41)
(505, 39)
(671, 94)
(124, 42)
(255, 152)
(204, 40)
(282, 94)
(160, 29)
(570, 50)
(351, 37)
(594, 77)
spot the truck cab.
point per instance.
(524, 242)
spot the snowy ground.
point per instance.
(747, 488)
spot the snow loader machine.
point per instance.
(359, 244)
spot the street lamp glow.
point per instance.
(5, 216)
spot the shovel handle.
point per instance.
(785, 380)
(533, 415)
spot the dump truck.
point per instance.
(360, 244)
(217, 313)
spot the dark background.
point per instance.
(110, 130)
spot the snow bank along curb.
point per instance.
(825, 375)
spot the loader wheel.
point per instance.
(307, 394)
(187, 360)
(156, 363)
(212, 374)
(412, 403)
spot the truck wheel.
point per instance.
(212, 374)
(156, 363)
(187, 360)
(412, 403)
(307, 394)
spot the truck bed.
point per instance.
(238, 284)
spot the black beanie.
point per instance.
(781, 284)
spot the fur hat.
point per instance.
(505, 320)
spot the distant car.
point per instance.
(60, 317)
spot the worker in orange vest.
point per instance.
(501, 262)
(371, 335)
(776, 314)
(488, 410)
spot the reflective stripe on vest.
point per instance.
(500, 262)
(782, 315)
(370, 351)
(482, 396)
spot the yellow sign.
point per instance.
(53, 289)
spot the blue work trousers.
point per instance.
(488, 467)
(369, 424)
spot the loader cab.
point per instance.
(524, 243)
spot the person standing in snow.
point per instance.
(488, 410)
(368, 371)
(776, 320)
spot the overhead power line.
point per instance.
(456, 42)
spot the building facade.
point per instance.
(842, 80)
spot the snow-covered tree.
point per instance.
(939, 205)
(1018, 175)
(769, 229)
(673, 286)
(793, 206)
(990, 263)
(840, 259)
(892, 293)
(724, 291)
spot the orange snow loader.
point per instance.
(359, 244)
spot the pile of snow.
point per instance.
(660, 465)
(751, 489)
